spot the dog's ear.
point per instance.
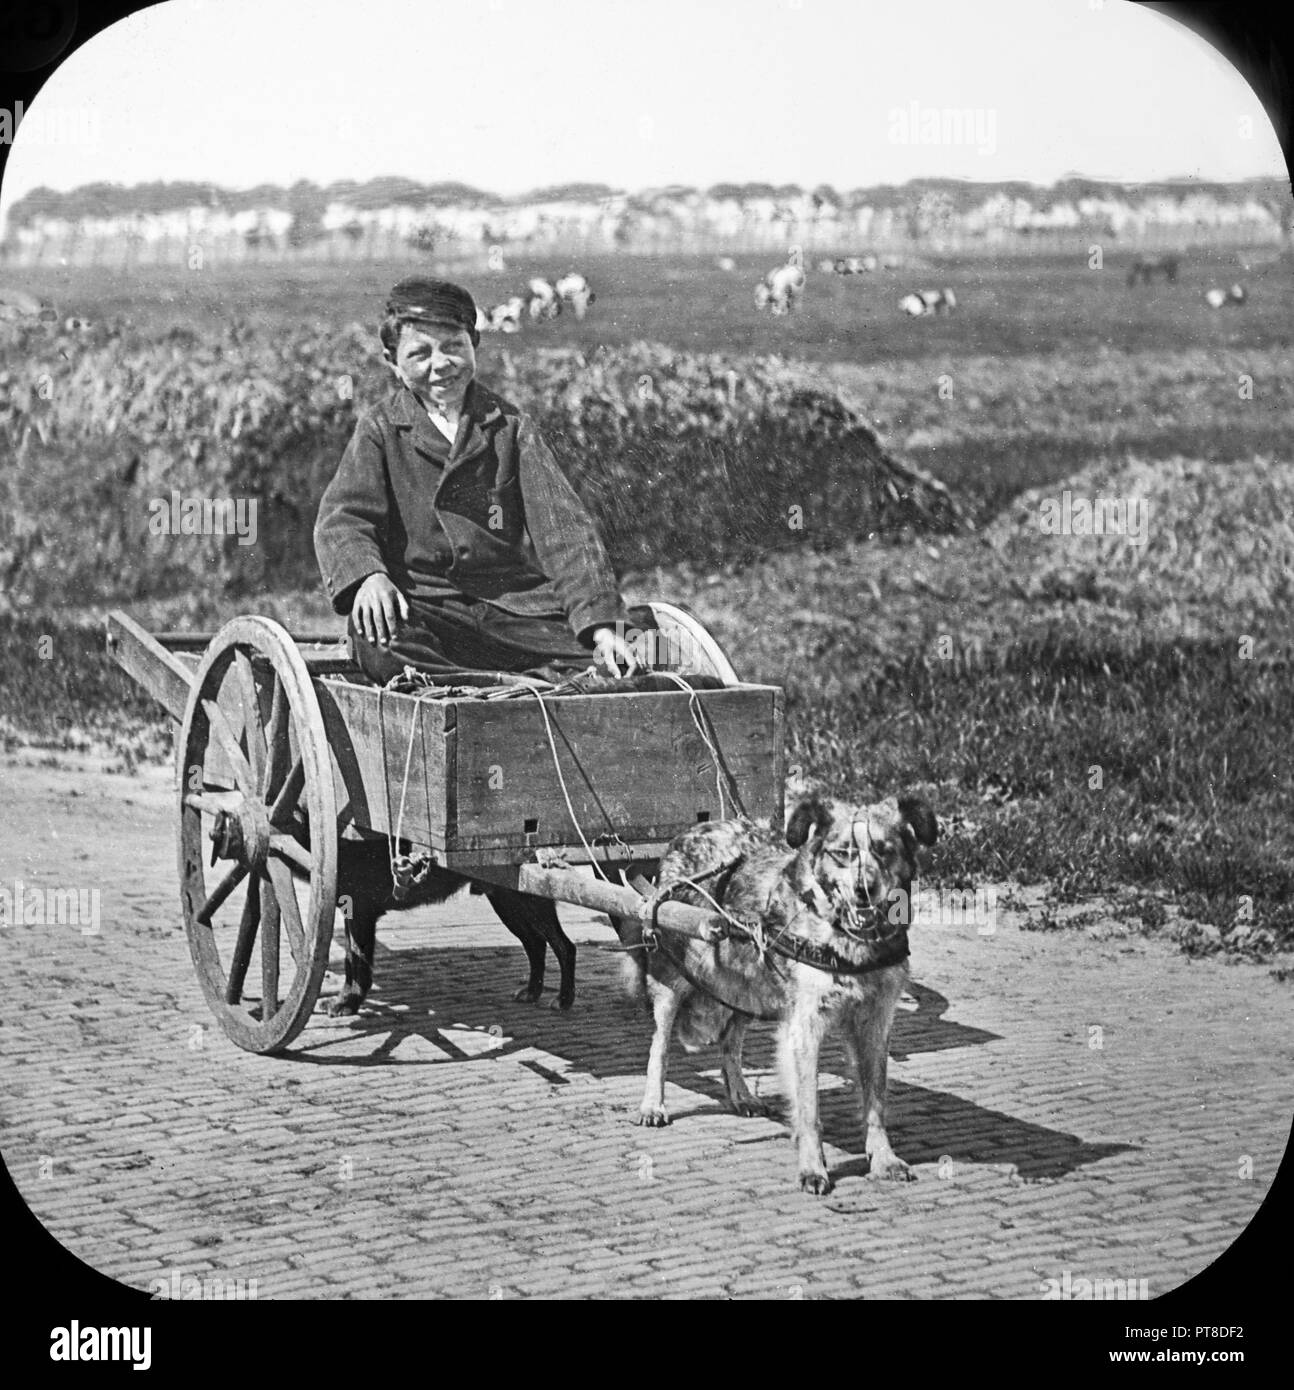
(811, 816)
(800, 871)
(802, 874)
(917, 812)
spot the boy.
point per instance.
(449, 534)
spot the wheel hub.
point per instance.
(242, 834)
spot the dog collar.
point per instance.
(894, 951)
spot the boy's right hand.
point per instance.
(378, 608)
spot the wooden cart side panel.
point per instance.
(477, 777)
(370, 736)
(634, 764)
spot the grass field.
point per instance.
(995, 670)
(1020, 307)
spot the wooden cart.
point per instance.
(284, 748)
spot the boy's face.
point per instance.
(436, 360)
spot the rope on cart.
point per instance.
(722, 772)
(405, 871)
(561, 782)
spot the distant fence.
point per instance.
(199, 251)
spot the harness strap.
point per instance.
(825, 958)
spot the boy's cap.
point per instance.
(432, 301)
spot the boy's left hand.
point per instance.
(613, 652)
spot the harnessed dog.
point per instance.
(818, 939)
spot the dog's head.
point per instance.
(865, 858)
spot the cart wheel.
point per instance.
(252, 743)
(683, 645)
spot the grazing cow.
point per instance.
(502, 318)
(542, 301)
(1218, 299)
(573, 289)
(854, 265)
(1144, 269)
(928, 302)
(780, 289)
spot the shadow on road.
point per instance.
(451, 995)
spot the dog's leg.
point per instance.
(868, 1041)
(536, 949)
(665, 1002)
(799, 1041)
(562, 947)
(533, 921)
(361, 941)
(740, 1096)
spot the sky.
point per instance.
(509, 95)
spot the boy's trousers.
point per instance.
(454, 636)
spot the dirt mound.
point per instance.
(1154, 536)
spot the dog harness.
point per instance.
(892, 949)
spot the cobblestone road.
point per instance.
(452, 1143)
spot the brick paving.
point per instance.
(450, 1143)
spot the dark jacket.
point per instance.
(491, 518)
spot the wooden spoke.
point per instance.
(229, 747)
(289, 793)
(270, 965)
(248, 925)
(285, 897)
(276, 740)
(270, 917)
(287, 848)
(213, 802)
(253, 732)
(222, 891)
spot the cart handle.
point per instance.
(166, 678)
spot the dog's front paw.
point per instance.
(346, 1005)
(563, 1003)
(891, 1166)
(527, 994)
(819, 1184)
(653, 1116)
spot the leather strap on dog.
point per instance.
(824, 958)
(679, 965)
(893, 949)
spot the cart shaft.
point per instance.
(569, 886)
